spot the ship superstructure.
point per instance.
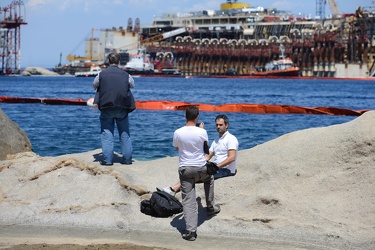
(242, 38)
(239, 39)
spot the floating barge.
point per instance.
(237, 40)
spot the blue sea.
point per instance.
(64, 129)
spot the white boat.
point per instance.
(94, 71)
(139, 63)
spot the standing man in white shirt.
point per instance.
(190, 142)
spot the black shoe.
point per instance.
(213, 210)
(127, 163)
(105, 164)
(190, 236)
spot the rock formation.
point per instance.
(31, 71)
(12, 139)
(310, 189)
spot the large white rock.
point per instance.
(30, 71)
(310, 189)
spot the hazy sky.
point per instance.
(56, 26)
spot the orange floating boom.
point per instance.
(169, 105)
(52, 101)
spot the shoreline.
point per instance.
(43, 72)
(79, 238)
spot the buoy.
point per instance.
(90, 102)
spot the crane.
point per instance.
(72, 58)
(320, 8)
(335, 11)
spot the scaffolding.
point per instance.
(11, 19)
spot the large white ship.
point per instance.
(238, 38)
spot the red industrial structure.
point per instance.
(11, 19)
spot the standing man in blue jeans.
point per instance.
(115, 101)
(190, 142)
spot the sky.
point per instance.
(61, 26)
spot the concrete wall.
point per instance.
(351, 70)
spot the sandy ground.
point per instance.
(58, 238)
(311, 189)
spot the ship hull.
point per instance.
(244, 40)
(292, 72)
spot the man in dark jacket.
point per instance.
(115, 101)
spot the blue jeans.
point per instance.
(108, 117)
(223, 172)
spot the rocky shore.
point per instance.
(38, 71)
(310, 189)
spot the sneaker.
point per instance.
(168, 190)
(213, 210)
(190, 236)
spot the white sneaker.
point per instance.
(168, 190)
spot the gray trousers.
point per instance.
(188, 177)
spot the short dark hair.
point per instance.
(224, 117)
(192, 113)
(113, 58)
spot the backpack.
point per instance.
(161, 204)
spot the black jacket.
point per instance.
(114, 89)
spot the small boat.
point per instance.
(284, 67)
(139, 63)
(94, 71)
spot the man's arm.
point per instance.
(209, 155)
(131, 82)
(205, 148)
(95, 83)
(231, 158)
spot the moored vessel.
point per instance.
(139, 64)
(239, 40)
(94, 71)
(283, 67)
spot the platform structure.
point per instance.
(11, 20)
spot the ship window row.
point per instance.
(163, 22)
(219, 21)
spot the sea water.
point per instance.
(64, 129)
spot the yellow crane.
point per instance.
(72, 58)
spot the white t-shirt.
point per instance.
(190, 140)
(220, 147)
